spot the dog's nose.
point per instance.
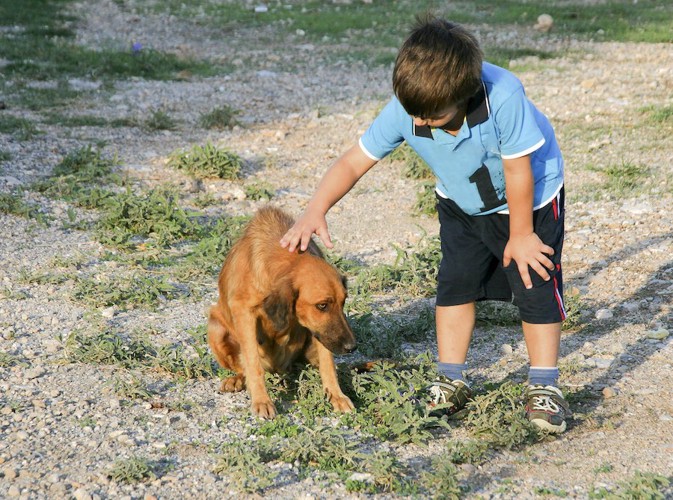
(349, 348)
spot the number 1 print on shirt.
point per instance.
(489, 197)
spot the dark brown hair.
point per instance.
(438, 65)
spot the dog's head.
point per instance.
(315, 294)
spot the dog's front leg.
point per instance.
(318, 355)
(260, 404)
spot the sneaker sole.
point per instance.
(546, 426)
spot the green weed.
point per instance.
(141, 290)
(132, 470)
(79, 178)
(660, 114)
(206, 162)
(13, 203)
(259, 191)
(5, 155)
(132, 388)
(108, 348)
(21, 128)
(642, 486)
(498, 417)
(7, 360)
(244, 468)
(160, 120)
(220, 118)
(392, 401)
(442, 480)
(130, 219)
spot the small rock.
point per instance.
(506, 349)
(544, 23)
(658, 334)
(361, 477)
(108, 312)
(81, 494)
(609, 393)
(33, 373)
(602, 314)
(9, 473)
(13, 491)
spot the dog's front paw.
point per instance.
(341, 403)
(233, 384)
(263, 409)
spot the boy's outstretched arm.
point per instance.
(336, 182)
(524, 246)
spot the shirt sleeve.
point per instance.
(517, 126)
(385, 132)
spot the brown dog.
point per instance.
(277, 307)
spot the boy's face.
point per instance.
(453, 113)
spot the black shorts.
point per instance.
(471, 268)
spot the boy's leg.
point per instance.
(454, 331)
(543, 342)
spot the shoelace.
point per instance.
(438, 395)
(545, 403)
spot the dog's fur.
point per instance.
(276, 307)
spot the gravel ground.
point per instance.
(61, 425)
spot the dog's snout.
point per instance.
(350, 347)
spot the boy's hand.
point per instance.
(299, 235)
(528, 250)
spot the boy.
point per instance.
(499, 197)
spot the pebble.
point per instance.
(609, 393)
(506, 349)
(658, 334)
(603, 314)
(33, 373)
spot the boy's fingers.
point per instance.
(525, 277)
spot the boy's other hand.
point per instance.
(299, 235)
(529, 250)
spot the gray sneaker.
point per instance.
(546, 408)
(450, 395)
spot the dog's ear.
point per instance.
(279, 305)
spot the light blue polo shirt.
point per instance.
(501, 123)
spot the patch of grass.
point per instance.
(79, 178)
(132, 470)
(259, 191)
(443, 476)
(392, 401)
(498, 417)
(5, 155)
(160, 120)
(184, 360)
(206, 256)
(414, 271)
(643, 485)
(76, 121)
(624, 179)
(660, 114)
(206, 162)
(13, 203)
(21, 128)
(244, 468)
(108, 348)
(495, 313)
(136, 290)
(616, 20)
(7, 360)
(221, 118)
(132, 388)
(151, 217)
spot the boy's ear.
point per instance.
(279, 306)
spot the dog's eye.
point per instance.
(322, 306)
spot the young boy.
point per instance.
(499, 198)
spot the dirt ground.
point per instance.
(298, 111)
